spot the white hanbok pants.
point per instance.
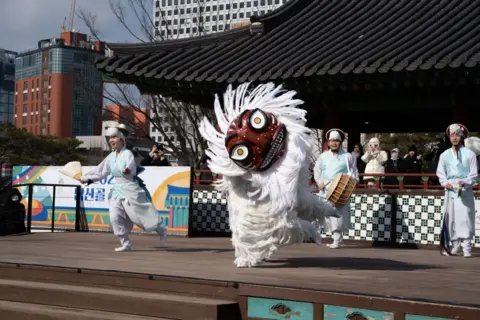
(338, 225)
(120, 220)
(124, 215)
(461, 219)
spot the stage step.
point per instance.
(27, 311)
(135, 302)
(122, 280)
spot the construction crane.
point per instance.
(70, 18)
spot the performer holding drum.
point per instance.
(336, 168)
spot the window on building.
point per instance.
(24, 120)
(25, 108)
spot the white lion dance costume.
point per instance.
(262, 148)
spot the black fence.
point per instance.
(12, 210)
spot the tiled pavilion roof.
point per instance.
(317, 39)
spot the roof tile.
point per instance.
(324, 38)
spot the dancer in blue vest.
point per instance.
(329, 164)
(457, 173)
(129, 203)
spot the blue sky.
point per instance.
(24, 22)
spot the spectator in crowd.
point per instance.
(356, 153)
(412, 164)
(393, 165)
(375, 159)
(433, 157)
(156, 157)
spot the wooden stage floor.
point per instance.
(395, 273)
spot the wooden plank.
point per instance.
(412, 274)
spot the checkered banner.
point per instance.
(210, 212)
(418, 218)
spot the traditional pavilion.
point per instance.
(361, 65)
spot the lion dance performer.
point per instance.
(129, 202)
(262, 147)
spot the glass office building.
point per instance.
(59, 88)
(7, 85)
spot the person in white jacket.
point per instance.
(375, 159)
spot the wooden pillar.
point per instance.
(354, 133)
(459, 112)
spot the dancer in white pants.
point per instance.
(129, 203)
(457, 173)
(328, 165)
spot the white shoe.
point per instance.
(335, 245)
(123, 248)
(467, 252)
(456, 250)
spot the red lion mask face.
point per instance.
(255, 140)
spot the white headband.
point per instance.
(335, 135)
(115, 132)
(456, 129)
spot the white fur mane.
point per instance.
(265, 208)
(284, 174)
(473, 143)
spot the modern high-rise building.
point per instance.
(58, 89)
(188, 18)
(7, 85)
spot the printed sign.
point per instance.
(168, 187)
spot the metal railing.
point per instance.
(428, 181)
(29, 208)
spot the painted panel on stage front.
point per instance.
(348, 313)
(417, 317)
(279, 309)
(168, 187)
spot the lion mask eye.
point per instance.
(258, 120)
(239, 153)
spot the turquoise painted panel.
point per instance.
(279, 309)
(347, 313)
(417, 317)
